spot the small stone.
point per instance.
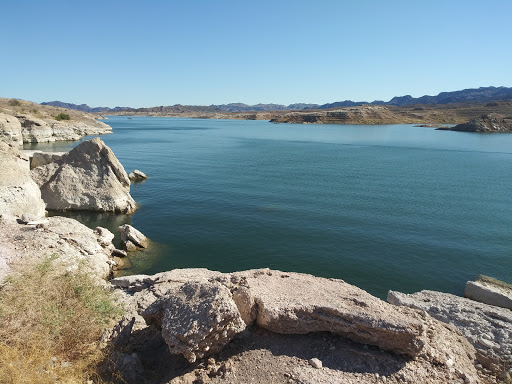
(486, 343)
(137, 175)
(315, 363)
(27, 218)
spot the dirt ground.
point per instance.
(261, 357)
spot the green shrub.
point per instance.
(14, 103)
(62, 116)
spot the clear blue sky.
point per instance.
(147, 53)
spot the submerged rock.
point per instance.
(88, 178)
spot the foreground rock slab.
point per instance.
(487, 327)
(328, 305)
(180, 303)
(89, 178)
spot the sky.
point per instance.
(194, 52)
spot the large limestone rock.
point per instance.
(19, 194)
(10, 129)
(89, 178)
(487, 327)
(64, 131)
(489, 292)
(197, 318)
(286, 303)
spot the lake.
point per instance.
(382, 207)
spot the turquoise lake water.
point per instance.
(382, 207)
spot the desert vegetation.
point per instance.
(51, 322)
(62, 116)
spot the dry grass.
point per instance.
(50, 325)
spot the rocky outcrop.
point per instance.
(10, 129)
(487, 327)
(35, 130)
(351, 115)
(489, 292)
(19, 194)
(88, 178)
(491, 122)
(180, 302)
(64, 240)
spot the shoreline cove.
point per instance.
(214, 319)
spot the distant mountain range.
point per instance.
(475, 95)
(83, 107)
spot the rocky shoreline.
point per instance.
(196, 325)
(26, 122)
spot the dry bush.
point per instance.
(50, 325)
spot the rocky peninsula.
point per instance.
(199, 326)
(26, 122)
(492, 122)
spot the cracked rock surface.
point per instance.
(198, 313)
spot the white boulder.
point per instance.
(89, 178)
